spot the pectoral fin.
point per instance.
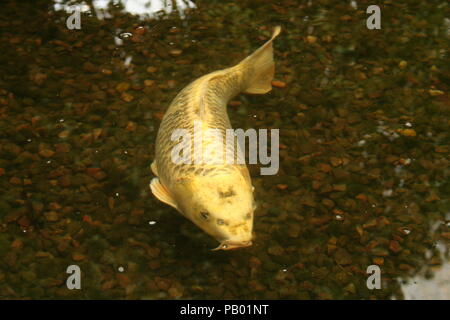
(162, 193)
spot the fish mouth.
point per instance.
(230, 245)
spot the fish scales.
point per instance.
(184, 111)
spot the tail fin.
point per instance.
(261, 67)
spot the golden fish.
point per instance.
(216, 196)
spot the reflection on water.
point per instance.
(142, 8)
(434, 284)
(364, 168)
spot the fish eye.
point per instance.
(204, 215)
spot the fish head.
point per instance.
(221, 205)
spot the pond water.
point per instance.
(364, 176)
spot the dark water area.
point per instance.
(364, 175)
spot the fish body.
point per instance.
(213, 193)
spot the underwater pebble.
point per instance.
(343, 257)
(126, 97)
(311, 39)
(51, 216)
(394, 246)
(175, 52)
(123, 280)
(407, 132)
(106, 71)
(78, 256)
(276, 250)
(278, 84)
(162, 283)
(46, 153)
(434, 92)
(15, 181)
(17, 244)
(176, 291)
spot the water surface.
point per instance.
(364, 157)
